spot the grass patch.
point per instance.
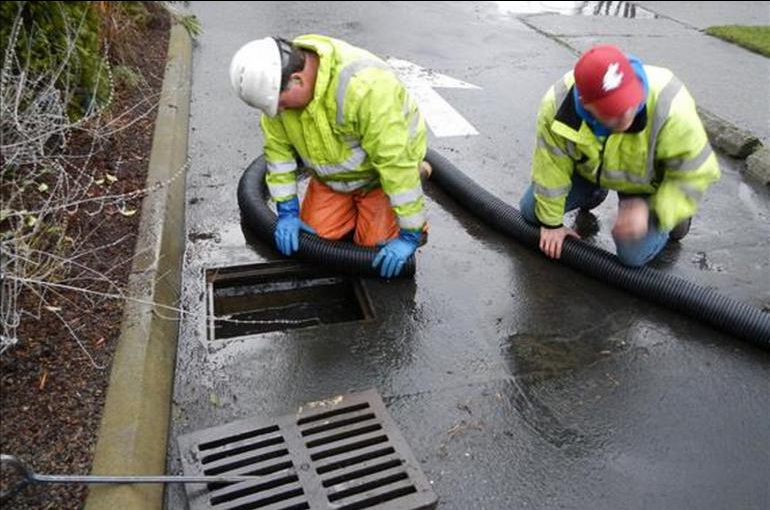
(755, 38)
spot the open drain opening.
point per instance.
(247, 461)
(243, 449)
(276, 296)
(260, 487)
(351, 461)
(376, 468)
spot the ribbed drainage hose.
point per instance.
(344, 257)
(722, 312)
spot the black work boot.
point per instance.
(680, 230)
(596, 198)
(586, 223)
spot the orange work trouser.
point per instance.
(333, 215)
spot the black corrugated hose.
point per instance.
(344, 257)
(720, 311)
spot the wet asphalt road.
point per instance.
(517, 382)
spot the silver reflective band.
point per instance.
(344, 80)
(690, 192)
(560, 92)
(355, 160)
(552, 192)
(348, 186)
(413, 125)
(282, 190)
(550, 148)
(281, 167)
(572, 149)
(406, 108)
(662, 109)
(687, 165)
(412, 222)
(405, 197)
(622, 175)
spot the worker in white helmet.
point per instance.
(344, 114)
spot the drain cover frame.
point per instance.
(344, 453)
(274, 272)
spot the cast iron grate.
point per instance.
(344, 453)
(282, 295)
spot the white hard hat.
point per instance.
(255, 74)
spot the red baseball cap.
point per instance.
(605, 79)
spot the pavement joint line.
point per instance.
(669, 18)
(133, 433)
(555, 38)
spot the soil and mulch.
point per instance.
(53, 389)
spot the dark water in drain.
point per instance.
(254, 309)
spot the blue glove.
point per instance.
(394, 254)
(288, 227)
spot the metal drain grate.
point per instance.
(345, 453)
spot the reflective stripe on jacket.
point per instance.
(664, 155)
(360, 131)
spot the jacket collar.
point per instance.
(572, 126)
(325, 52)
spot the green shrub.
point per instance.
(61, 41)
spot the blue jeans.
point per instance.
(631, 253)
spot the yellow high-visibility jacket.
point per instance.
(664, 155)
(360, 131)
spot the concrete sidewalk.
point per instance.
(724, 78)
(730, 84)
(701, 15)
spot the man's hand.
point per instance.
(393, 255)
(633, 219)
(552, 239)
(288, 227)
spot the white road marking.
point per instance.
(442, 119)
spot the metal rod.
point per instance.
(27, 476)
(89, 479)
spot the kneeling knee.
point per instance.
(633, 258)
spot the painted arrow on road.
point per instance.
(441, 117)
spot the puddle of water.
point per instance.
(537, 358)
(614, 9)
(702, 262)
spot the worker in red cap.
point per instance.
(615, 124)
